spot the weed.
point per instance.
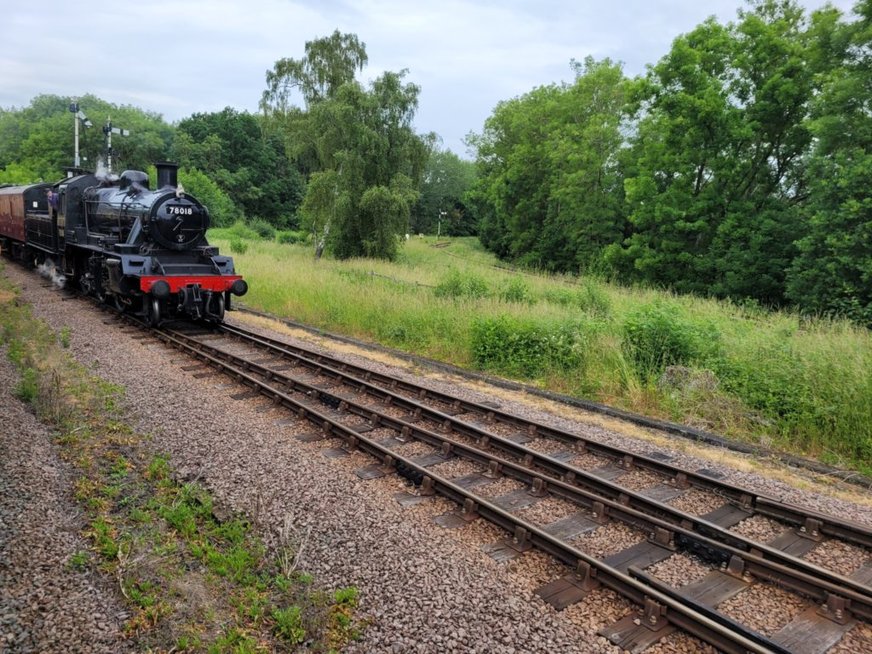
(289, 625)
(158, 468)
(27, 389)
(78, 560)
(104, 534)
(234, 641)
(516, 290)
(347, 596)
(188, 642)
(253, 604)
(238, 246)
(120, 468)
(65, 337)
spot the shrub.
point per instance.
(462, 285)
(516, 290)
(289, 236)
(561, 296)
(527, 348)
(592, 299)
(262, 228)
(774, 381)
(240, 229)
(655, 337)
(238, 246)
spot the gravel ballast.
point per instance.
(45, 604)
(422, 588)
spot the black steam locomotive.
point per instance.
(141, 250)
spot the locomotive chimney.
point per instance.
(167, 174)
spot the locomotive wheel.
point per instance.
(216, 307)
(153, 307)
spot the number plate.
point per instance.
(180, 210)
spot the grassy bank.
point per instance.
(195, 579)
(770, 378)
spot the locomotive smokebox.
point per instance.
(167, 174)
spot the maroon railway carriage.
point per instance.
(139, 249)
(16, 204)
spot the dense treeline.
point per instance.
(738, 166)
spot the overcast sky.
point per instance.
(177, 57)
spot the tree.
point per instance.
(833, 272)
(549, 185)
(715, 201)
(447, 178)
(329, 63)
(356, 145)
(248, 164)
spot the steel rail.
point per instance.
(706, 539)
(721, 633)
(752, 500)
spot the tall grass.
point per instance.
(804, 386)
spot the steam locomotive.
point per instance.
(141, 250)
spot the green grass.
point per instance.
(772, 377)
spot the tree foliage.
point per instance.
(249, 166)
(833, 271)
(719, 153)
(549, 188)
(37, 141)
(446, 181)
(356, 144)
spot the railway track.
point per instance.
(382, 416)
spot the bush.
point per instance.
(516, 290)
(592, 299)
(262, 228)
(775, 382)
(289, 236)
(28, 388)
(560, 296)
(240, 230)
(526, 348)
(462, 285)
(238, 246)
(656, 337)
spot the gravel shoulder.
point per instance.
(422, 588)
(45, 604)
